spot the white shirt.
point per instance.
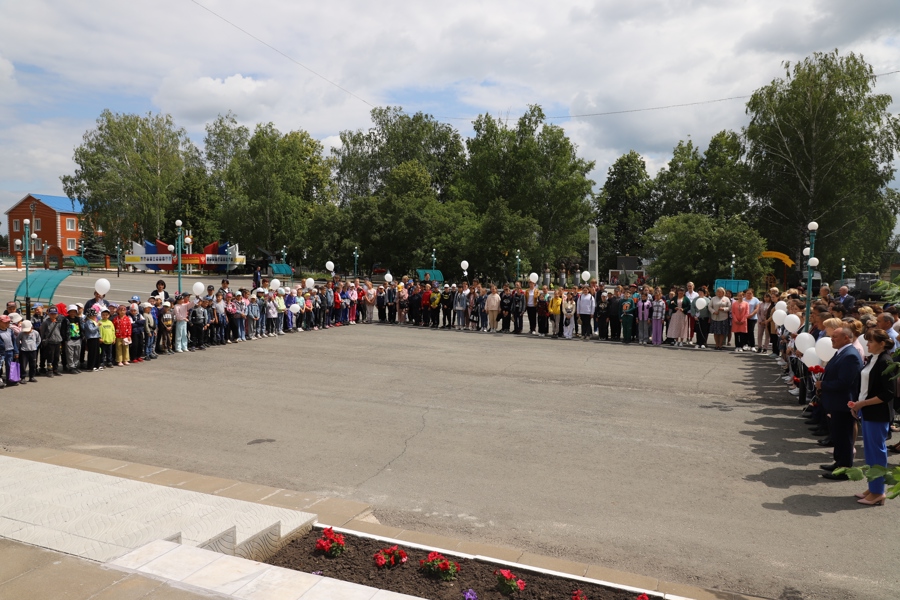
(691, 294)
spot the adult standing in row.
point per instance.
(720, 307)
(874, 407)
(839, 387)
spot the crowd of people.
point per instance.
(854, 393)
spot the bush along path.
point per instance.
(427, 574)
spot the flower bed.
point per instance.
(357, 564)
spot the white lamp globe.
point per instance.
(178, 223)
(806, 251)
(171, 248)
(813, 226)
(814, 262)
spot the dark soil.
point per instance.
(357, 565)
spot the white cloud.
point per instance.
(452, 59)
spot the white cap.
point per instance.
(236, 294)
(167, 303)
(79, 305)
(260, 291)
(15, 317)
(146, 305)
(26, 325)
(281, 291)
(71, 307)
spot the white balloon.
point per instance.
(824, 349)
(388, 277)
(585, 275)
(810, 358)
(101, 286)
(533, 278)
(329, 266)
(779, 316)
(275, 284)
(792, 323)
(781, 305)
(295, 308)
(310, 283)
(804, 342)
(701, 303)
(198, 288)
(465, 265)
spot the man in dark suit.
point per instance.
(838, 386)
(846, 299)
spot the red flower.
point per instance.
(521, 584)
(380, 561)
(444, 566)
(507, 574)
(434, 556)
(643, 597)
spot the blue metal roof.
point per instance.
(59, 203)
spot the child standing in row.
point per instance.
(122, 324)
(107, 339)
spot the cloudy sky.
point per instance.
(63, 61)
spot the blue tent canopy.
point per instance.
(41, 284)
(433, 275)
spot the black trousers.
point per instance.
(586, 329)
(447, 313)
(426, 316)
(28, 358)
(702, 328)
(842, 435)
(750, 338)
(93, 352)
(602, 323)
(392, 313)
(532, 317)
(382, 314)
(504, 321)
(615, 328)
(50, 355)
(518, 322)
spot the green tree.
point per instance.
(225, 140)
(725, 178)
(127, 169)
(820, 147)
(275, 183)
(624, 207)
(678, 187)
(365, 159)
(698, 248)
(94, 248)
(196, 204)
(531, 172)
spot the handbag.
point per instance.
(14, 373)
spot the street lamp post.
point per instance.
(843, 267)
(28, 243)
(284, 254)
(811, 264)
(118, 258)
(732, 267)
(355, 260)
(433, 259)
(518, 263)
(180, 241)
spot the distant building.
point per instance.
(55, 219)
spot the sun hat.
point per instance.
(26, 326)
(15, 318)
(71, 307)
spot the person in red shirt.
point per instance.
(123, 335)
(426, 306)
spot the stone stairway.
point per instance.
(102, 517)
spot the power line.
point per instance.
(290, 58)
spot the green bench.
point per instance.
(79, 264)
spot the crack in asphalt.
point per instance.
(402, 452)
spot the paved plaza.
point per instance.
(683, 465)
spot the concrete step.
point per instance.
(102, 517)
